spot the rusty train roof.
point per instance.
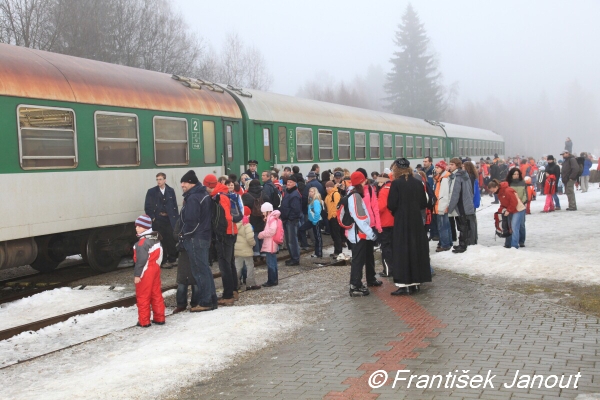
(42, 75)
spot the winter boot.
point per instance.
(356, 291)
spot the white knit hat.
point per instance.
(266, 207)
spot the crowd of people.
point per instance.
(238, 222)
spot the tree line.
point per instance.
(146, 34)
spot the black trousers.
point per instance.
(225, 247)
(336, 235)
(387, 249)
(462, 223)
(362, 255)
(453, 227)
(163, 226)
(359, 257)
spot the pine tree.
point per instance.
(413, 85)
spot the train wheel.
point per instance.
(101, 253)
(49, 255)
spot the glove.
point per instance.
(245, 220)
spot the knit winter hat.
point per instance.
(550, 158)
(247, 210)
(441, 164)
(357, 178)
(402, 163)
(210, 181)
(144, 221)
(190, 177)
(362, 171)
(266, 207)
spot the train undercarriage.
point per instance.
(102, 248)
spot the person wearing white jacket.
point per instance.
(442, 192)
(358, 234)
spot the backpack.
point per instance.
(276, 198)
(278, 237)
(218, 220)
(344, 218)
(301, 185)
(503, 229)
(258, 202)
(236, 213)
(581, 163)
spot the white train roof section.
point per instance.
(272, 107)
(467, 132)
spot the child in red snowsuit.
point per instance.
(147, 255)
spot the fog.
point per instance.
(527, 70)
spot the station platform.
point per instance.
(453, 327)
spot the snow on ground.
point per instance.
(73, 331)
(152, 362)
(560, 246)
(55, 302)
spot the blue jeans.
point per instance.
(316, 230)
(517, 223)
(273, 277)
(258, 244)
(443, 226)
(181, 296)
(433, 227)
(198, 253)
(291, 238)
(556, 200)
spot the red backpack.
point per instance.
(278, 237)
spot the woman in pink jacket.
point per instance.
(372, 205)
(269, 246)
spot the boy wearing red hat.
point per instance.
(147, 255)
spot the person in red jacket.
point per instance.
(226, 244)
(511, 206)
(147, 256)
(387, 227)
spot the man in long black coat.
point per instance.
(411, 246)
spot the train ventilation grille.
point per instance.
(197, 84)
(239, 91)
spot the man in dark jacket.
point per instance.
(161, 206)
(251, 171)
(461, 202)
(270, 194)
(196, 232)
(570, 170)
(291, 213)
(552, 168)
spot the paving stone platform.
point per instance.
(453, 324)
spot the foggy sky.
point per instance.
(512, 50)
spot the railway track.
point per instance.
(124, 302)
(17, 288)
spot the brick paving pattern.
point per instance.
(453, 324)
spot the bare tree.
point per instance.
(30, 23)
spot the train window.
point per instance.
(325, 144)
(343, 145)
(304, 144)
(471, 147)
(210, 142)
(229, 142)
(399, 146)
(427, 147)
(283, 153)
(419, 147)
(461, 148)
(360, 145)
(267, 144)
(436, 150)
(117, 139)
(47, 137)
(374, 145)
(170, 141)
(387, 146)
(410, 150)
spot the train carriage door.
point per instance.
(233, 154)
(265, 147)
